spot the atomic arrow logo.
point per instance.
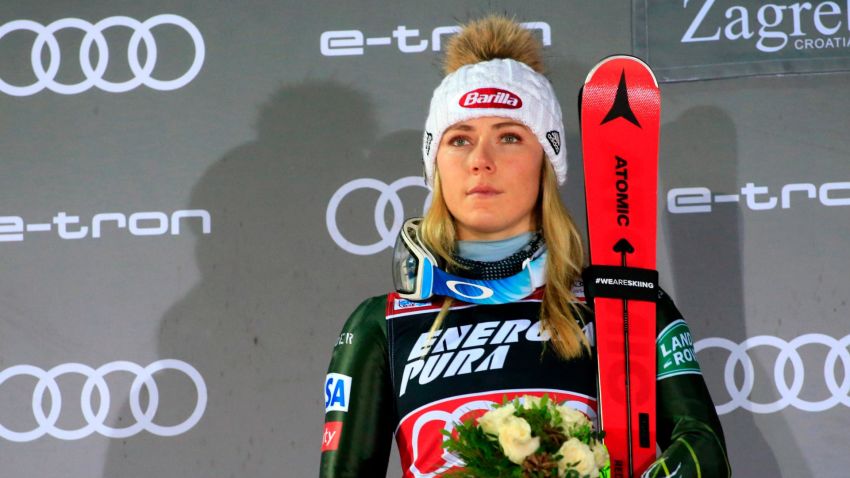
(623, 246)
(621, 107)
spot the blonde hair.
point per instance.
(559, 311)
(496, 36)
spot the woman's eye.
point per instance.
(510, 138)
(459, 141)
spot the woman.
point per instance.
(472, 322)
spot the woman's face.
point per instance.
(490, 177)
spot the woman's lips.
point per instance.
(483, 190)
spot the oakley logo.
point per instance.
(469, 290)
(490, 98)
(94, 74)
(389, 196)
(95, 421)
(788, 352)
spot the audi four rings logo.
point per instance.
(46, 75)
(389, 196)
(788, 352)
(95, 421)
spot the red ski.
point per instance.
(620, 113)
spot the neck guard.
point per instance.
(417, 275)
(502, 268)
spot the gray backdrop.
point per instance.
(217, 271)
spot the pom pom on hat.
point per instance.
(491, 38)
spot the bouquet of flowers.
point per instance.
(531, 438)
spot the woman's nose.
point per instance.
(482, 158)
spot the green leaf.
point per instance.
(483, 456)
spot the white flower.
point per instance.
(579, 455)
(600, 454)
(530, 401)
(493, 420)
(515, 438)
(571, 417)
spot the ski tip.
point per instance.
(621, 57)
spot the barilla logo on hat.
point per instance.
(490, 98)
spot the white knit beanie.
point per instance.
(502, 87)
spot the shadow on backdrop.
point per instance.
(255, 322)
(707, 270)
(567, 77)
